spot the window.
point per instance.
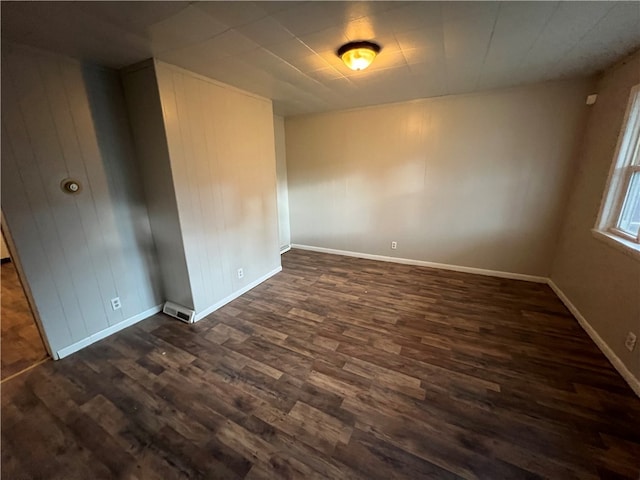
(620, 214)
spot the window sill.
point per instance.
(625, 246)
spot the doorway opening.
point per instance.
(21, 345)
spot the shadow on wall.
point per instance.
(131, 242)
(459, 224)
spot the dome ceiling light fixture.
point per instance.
(358, 55)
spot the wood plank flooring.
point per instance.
(335, 368)
(21, 345)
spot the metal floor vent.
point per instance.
(179, 312)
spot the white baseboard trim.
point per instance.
(422, 263)
(234, 295)
(285, 249)
(66, 351)
(622, 369)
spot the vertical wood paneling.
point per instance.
(45, 143)
(20, 138)
(89, 224)
(173, 117)
(85, 248)
(29, 229)
(159, 182)
(189, 199)
(221, 272)
(210, 264)
(124, 182)
(99, 166)
(223, 162)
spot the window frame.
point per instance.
(628, 174)
(626, 163)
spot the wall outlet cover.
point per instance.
(115, 303)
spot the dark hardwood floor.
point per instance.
(20, 342)
(336, 368)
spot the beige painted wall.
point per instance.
(601, 281)
(284, 229)
(472, 180)
(60, 119)
(221, 147)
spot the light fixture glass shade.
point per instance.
(358, 58)
(358, 55)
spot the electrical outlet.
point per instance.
(115, 303)
(394, 245)
(240, 273)
(630, 341)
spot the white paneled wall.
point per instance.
(221, 146)
(145, 113)
(63, 119)
(473, 180)
(208, 154)
(284, 228)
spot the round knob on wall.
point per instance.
(71, 186)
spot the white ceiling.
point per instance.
(286, 50)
